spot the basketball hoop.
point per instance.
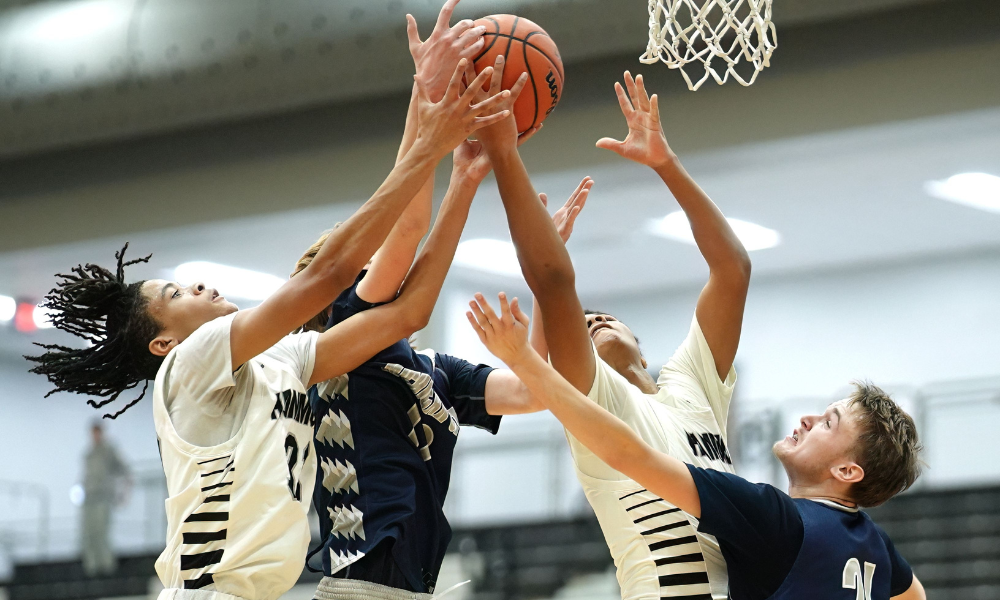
(682, 32)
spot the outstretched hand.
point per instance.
(645, 144)
(470, 158)
(504, 133)
(506, 334)
(445, 124)
(565, 217)
(436, 56)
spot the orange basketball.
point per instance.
(526, 48)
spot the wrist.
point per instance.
(424, 149)
(522, 358)
(670, 166)
(463, 182)
(501, 155)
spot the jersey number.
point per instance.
(294, 468)
(853, 579)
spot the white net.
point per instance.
(726, 37)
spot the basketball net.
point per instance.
(682, 32)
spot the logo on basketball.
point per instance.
(553, 90)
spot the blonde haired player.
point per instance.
(813, 542)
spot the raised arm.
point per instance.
(351, 342)
(443, 126)
(434, 59)
(607, 436)
(544, 261)
(358, 338)
(395, 257)
(564, 219)
(721, 303)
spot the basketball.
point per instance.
(526, 48)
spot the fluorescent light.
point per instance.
(58, 22)
(8, 307)
(675, 226)
(978, 190)
(488, 255)
(231, 282)
(40, 315)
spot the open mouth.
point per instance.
(598, 327)
(216, 296)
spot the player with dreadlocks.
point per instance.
(229, 399)
(110, 315)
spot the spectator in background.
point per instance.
(105, 483)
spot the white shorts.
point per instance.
(332, 588)
(179, 594)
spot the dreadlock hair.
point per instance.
(111, 316)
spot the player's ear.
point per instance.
(848, 472)
(161, 345)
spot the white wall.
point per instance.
(43, 440)
(809, 335)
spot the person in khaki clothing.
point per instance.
(104, 472)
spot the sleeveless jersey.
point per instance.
(236, 511)
(841, 548)
(657, 548)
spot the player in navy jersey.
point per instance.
(385, 432)
(812, 542)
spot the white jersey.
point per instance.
(657, 548)
(236, 510)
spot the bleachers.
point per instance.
(951, 537)
(532, 560)
(66, 580)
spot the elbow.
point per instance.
(554, 277)
(413, 318)
(335, 276)
(736, 273)
(743, 267)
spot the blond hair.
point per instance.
(888, 447)
(317, 323)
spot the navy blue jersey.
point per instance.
(786, 548)
(385, 436)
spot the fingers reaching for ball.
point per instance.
(504, 334)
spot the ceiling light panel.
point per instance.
(675, 226)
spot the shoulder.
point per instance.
(738, 491)
(206, 350)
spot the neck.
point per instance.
(819, 492)
(635, 374)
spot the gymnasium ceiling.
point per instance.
(74, 72)
(832, 156)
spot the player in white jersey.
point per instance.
(231, 414)
(657, 549)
